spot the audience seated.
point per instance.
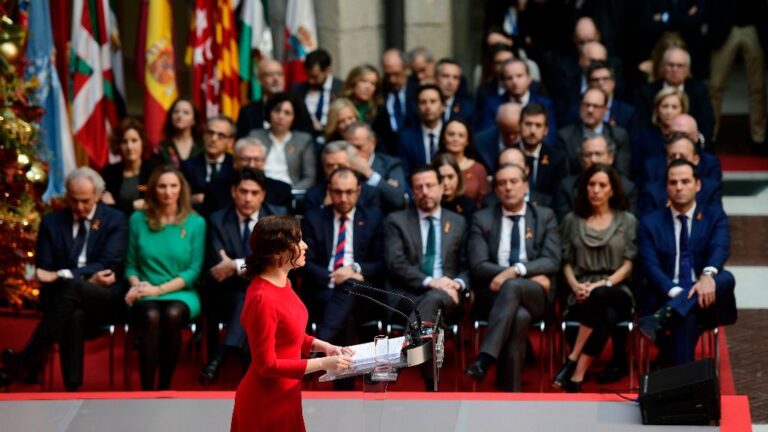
(422, 65)
(79, 259)
(341, 114)
(166, 247)
(362, 88)
(417, 144)
(215, 161)
(515, 156)
(398, 109)
(182, 134)
(515, 253)
(227, 245)
(126, 180)
(599, 245)
(648, 142)
(319, 90)
(618, 113)
(448, 77)
(547, 165)
(453, 187)
(456, 139)
(505, 134)
(683, 249)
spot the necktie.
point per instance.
(431, 147)
(428, 264)
(531, 161)
(214, 170)
(320, 106)
(398, 110)
(79, 241)
(246, 236)
(341, 243)
(684, 276)
(514, 241)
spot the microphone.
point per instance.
(368, 286)
(414, 332)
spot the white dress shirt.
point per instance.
(251, 221)
(82, 259)
(425, 138)
(505, 240)
(276, 165)
(218, 161)
(312, 98)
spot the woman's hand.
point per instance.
(581, 291)
(143, 289)
(335, 363)
(335, 350)
(107, 198)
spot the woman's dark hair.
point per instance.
(272, 237)
(447, 159)
(470, 151)
(582, 207)
(170, 131)
(277, 100)
(126, 124)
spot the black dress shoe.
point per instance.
(16, 369)
(211, 370)
(5, 380)
(612, 373)
(572, 386)
(649, 326)
(563, 376)
(476, 371)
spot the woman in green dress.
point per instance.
(182, 134)
(166, 244)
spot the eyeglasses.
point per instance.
(217, 135)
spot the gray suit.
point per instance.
(390, 168)
(403, 254)
(299, 155)
(519, 300)
(569, 141)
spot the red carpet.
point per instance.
(15, 330)
(743, 163)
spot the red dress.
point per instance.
(269, 396)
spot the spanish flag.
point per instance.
(160, 68)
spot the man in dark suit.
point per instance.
(619, 113)
(253, 116)
(448, 78)
(319, 90)
(338, 154)
(344, 242)
(398, 110)
(515, 156)
(501, 53)
(595, 149)
(79, 260)
(517, 81)
(381, 171)
(505, 134)
(228, 233)
(417, 144)
(547, 166)
(706, 163)
(654, 196)
(591, 112)
(214, 161)
(424, 251)
(515, 251)
(683, 250)
(676, 69)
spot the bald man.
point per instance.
(399, 110)
(506, 133)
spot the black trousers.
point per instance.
(601, 311)
(225, 303)
(71, 308)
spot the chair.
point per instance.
(49, 370)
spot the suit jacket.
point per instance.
(386, 137)
(411, 147)
(315, 196)
(251, 117)
(566, 195)
(390, 168)
(653, 195)
(300, 91)
(195, 169)
(700, 104)
(621, 114)
(534, 197)
(709, 245)
(568, 78)
(113, 179)
(462, 109)
(105, 248)
(490, 89)
(487, 117)
(403, 249)
(367, 239)
(487, 143)
(542, 244)
(299, 155)
(218, 194)
(224, 232)
(709, 167)
(550, 172)
(569, 141)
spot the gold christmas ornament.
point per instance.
(23, 160)
(10, 51)
(36, 173)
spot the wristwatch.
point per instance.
(356, 267)
(608, 282)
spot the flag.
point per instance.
(159, 69)
(139, 60)
(255, 41)
(227, 70)
(92, 88)
(55, 133)
(116, 58)
(205, 88)
(300, 38)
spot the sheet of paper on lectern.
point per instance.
(365, 353)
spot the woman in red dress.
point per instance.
(269, 396)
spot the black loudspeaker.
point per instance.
(688, 394)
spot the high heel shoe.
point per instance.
(572, 386)
(564, 374)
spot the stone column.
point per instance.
(428, 23)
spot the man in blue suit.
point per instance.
(683, 250)
(418, 144)
(398, 111)
(79, 260)
(214, 162)
(517, 80)
(547, 166)
(448, 77)
(344, 242)
(228, 233)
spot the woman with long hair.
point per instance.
(274, 318)
(599, 244)
(126, 180)
(453, 186)
(362, 87)
(341, 114)
(166, 247)
(456, 140)
(182, 134)
(650, 142)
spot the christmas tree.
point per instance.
(24, 176)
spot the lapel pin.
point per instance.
(291, 149)
(545, 160)
(447, 227)
(698, 216)
(528, 234)
(95, 225)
